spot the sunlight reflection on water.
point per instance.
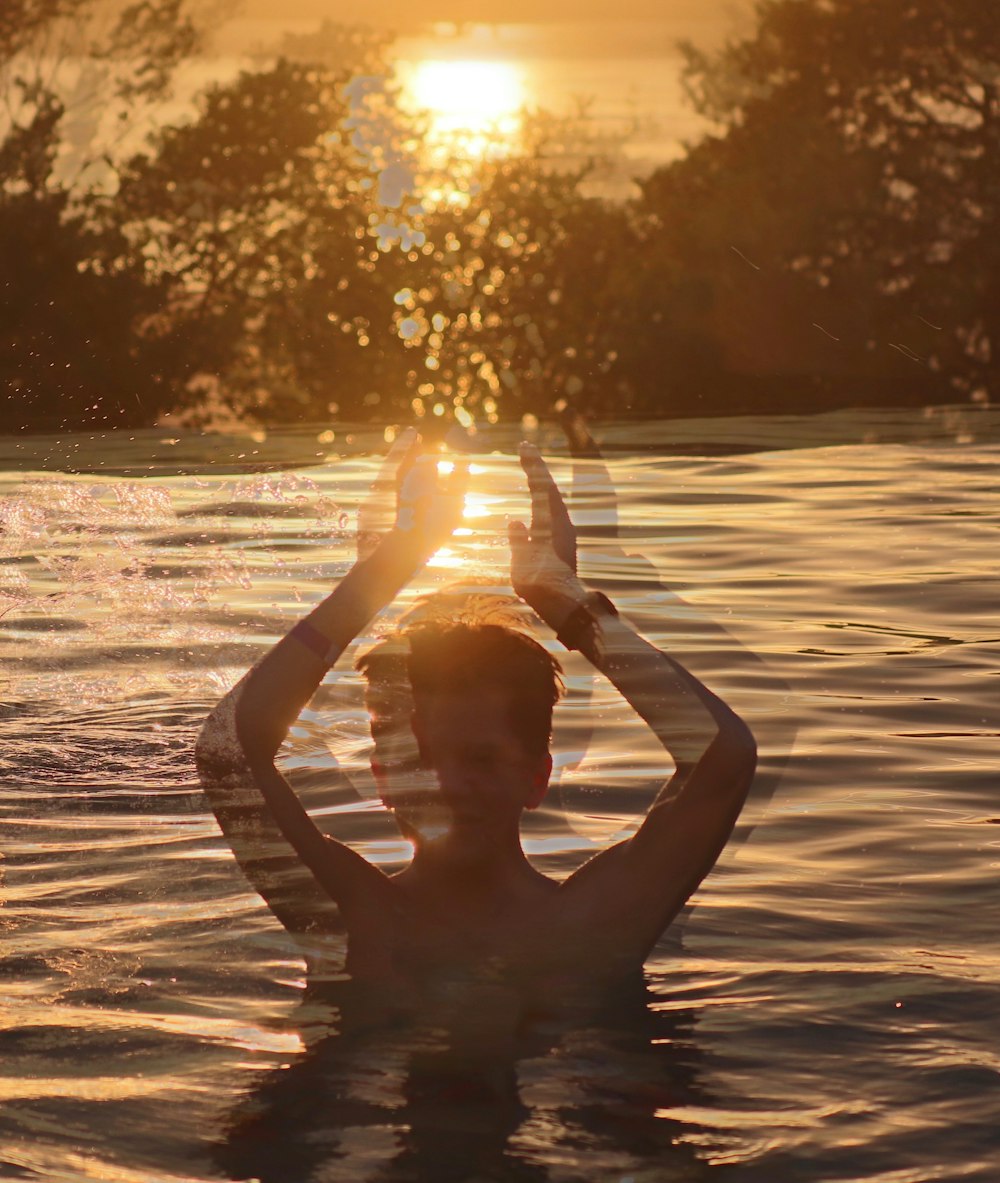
(826, 1011)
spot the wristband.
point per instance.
(313, 640)
(584, 617)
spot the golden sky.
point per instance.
(406, 14)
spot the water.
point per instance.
(828, 1010)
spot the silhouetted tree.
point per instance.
(258, 218)
(68, 355)
(107, 64)
(297, 294)
(834, 242)
(846, 217)
(499, 316)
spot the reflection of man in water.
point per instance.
(461, 717)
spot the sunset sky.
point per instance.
(405, 14)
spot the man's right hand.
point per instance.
(377, 511)
(427, 508)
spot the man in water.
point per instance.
(461, 716)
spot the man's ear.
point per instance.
(539, 782)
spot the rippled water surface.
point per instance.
(827, 1011)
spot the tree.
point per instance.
(299, 289)
(858, 165)
(258, 218)
(499, 317)
(68, 356)
(107, 64)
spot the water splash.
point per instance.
(121, 554)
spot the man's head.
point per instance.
(469, 702)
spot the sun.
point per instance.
(476, 102)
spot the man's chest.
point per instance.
(423, 940)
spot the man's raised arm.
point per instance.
(643, 882)
(259, 813)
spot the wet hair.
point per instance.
(439, 656)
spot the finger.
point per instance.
(419, 478)
(540, 483)
(517, 531)
(458, 482)
(563, 530)
(376, 511)
(409, 453)
(401, 445)
(592, 490)
(416, 488)
(459, 471)
(582, 444)
(517, 536)
(459, 439)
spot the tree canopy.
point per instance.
(860, 155)
(832, 241)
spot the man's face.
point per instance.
(477, 775)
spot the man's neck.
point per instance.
(467, 879)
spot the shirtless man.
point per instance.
(461, 750)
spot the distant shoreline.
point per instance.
(690, 18)
(160, 451)
(502, 39)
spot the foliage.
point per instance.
(858, 170)
(297, 294)
(67, 357)
(495, 315)
(835, 240)
(106, 63)
(256, 217)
